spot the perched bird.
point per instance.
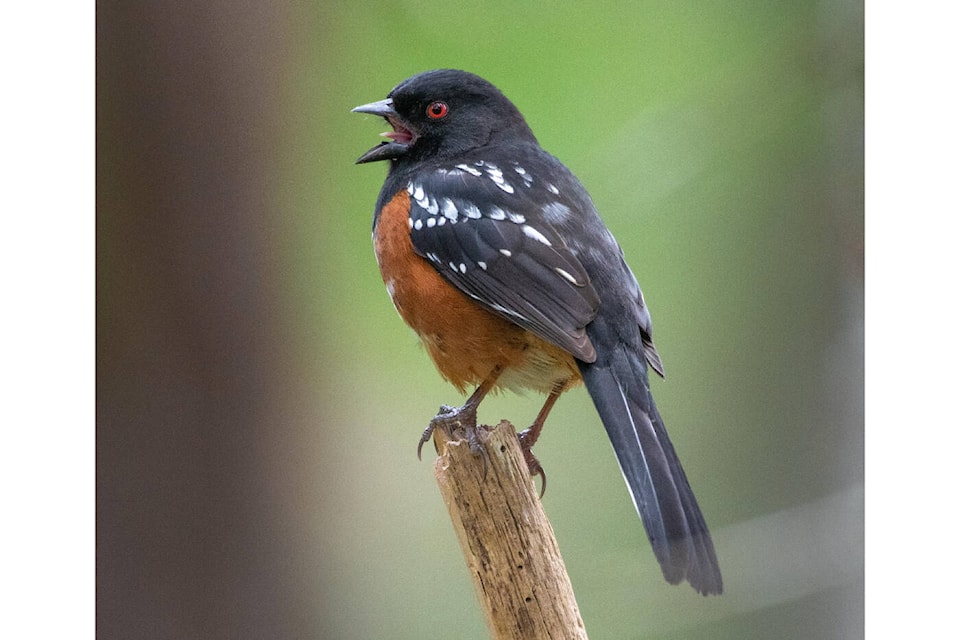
(493, 252)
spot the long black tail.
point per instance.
(618, 384)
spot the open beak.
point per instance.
(400, 138)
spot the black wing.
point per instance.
(483, 227)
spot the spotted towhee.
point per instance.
(494, 253)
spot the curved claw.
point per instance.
(426, 436)
(535, 469)
(532, 463)
(543, 482)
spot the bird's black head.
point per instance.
(444, 113)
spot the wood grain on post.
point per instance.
(507, 541)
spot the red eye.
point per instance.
(437, 110)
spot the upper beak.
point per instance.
(385, 150)
(382, 108)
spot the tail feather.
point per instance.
(659, 488)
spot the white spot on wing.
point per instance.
(421, 199)
(497, 176)
(469, 169)
(566, 276)
(418, 224)
(431, 222)
(532, 233)
(527, 178)
(503, 309)
(496, 213)
(482, 264)
(449, 209)
(552, 189)
(516, 218)
(506, 252)
(472, 211)
(463, 268)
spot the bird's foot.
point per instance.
(456, 422)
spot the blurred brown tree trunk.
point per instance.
(188, 350)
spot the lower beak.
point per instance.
(384, 150)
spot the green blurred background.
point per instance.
(259, 400)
